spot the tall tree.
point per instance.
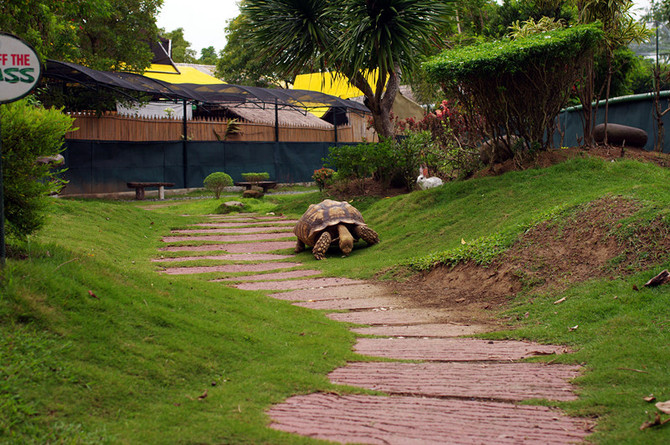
(239, 63)
(349, 36)
(620, 29)
(181, 48)
(102, 34)
(208, 56)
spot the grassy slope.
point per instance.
(125, 366)
(129, 365)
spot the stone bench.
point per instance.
(263, 184)
(140, 186)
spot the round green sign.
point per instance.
(20, 68)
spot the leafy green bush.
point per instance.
(457, 137)
(256, 177)
(410, 152)
(217, 181)
(30, 132)
(518, 86)
(323, 177)
(389, 160)
(352, 161)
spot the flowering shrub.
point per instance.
(457, 135)
(323, 177)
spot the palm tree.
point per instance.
(349, 36)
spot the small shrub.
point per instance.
(256, 177)
(457, 136)
(29, 132)
(410, 152)
(323, 177)
(216, 182)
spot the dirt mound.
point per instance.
(551, 157)
(589, 244)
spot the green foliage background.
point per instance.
(29, 131)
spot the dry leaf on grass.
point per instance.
(664, 407)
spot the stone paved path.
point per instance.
(439, 388)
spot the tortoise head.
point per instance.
(346, 239)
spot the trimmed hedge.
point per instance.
(511, 56)
(518, 86)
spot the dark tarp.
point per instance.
(231, 95)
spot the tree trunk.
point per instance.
(607, 94)
(658, 114)
(380, 102)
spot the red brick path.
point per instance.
(454, 390)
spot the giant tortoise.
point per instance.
(329, 222)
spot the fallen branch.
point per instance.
(656, 422)
(661, 278)
(634, 370)
(63, 264)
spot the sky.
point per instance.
(204, 21)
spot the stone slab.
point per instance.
(233, 248)
(274, 276)
(491, 381)
(229, 238)
(331, 293)
(277, 223)
(229, 268)
(245, 218)
(235, 230)
(226, 257)
(374, 304)
(423, 330)
(393, 317)
(453, 349)
(426, 421)
(297, 284)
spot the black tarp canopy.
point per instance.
(230, 95)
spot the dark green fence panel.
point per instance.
(105, 167)
(246, 157)
(296, 162)
(635, 111)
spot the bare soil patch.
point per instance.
(552, 157)
(589, 244)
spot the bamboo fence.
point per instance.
(113, 127)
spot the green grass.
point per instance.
(129, 365)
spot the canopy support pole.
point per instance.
(184, 146)
(335, 123)
(276, 120)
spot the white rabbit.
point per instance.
(427, 183)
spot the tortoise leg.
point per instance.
(321, 246)
(299, 246)
(366, 234)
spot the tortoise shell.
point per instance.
(324, 215)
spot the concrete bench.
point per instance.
(140, 186)
(265, 185)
